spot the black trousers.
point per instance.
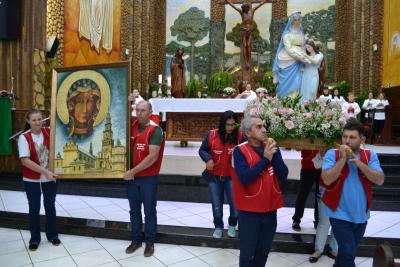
(307, 179)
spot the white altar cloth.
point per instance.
(197, 105)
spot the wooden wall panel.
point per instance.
(16, 58)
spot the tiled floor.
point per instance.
(381, 224)
(88, 251)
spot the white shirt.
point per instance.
(380, 115)
(325, 99)
(41, 150)
(340, 100)
(369, 104)
(353, 105)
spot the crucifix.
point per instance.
(247, 13)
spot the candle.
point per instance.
(169, 81)
(159, 78)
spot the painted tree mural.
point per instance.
(191, 26)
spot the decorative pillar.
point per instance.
(217, 36)
(278, 22)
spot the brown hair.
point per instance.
(28, 115)
(312, 44)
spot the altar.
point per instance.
(190, 119)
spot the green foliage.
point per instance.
(260, 45)
(234, 35)
(343, 87)
(362, 97)
(320, 25)
(152, 87)
(193, 87)
(267, 83)
(191, 26)
(219, 81)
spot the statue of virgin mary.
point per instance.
(290, 57)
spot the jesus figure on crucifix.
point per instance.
(247, 13)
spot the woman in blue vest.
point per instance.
(216, 152)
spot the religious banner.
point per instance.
(92, 31)
(89, 121)
(6, 122)
(391, 44)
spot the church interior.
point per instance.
(120, 103)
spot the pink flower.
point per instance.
(289, 125)
(282, 111)
(342, 120)
(290, 111)
(306, 102)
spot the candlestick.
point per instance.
(159, 78)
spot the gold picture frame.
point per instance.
(90, 121)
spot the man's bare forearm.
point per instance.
(331, 175)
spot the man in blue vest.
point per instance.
(348, 173)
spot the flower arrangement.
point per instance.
(229, 91)
(287, 118)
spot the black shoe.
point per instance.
(149, 250)
(56, 242)
(33, 246)
(296, 226)
(133, 247)
(330, 255)
(314, 259)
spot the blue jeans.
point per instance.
(257, 231)
(143, 190)
(33, 192)
(348, 236)
(323, 231)
(216, 190)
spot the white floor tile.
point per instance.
(82, 246)
(172, 255)
(275, 260)
(197, 251)
(47, 251)
(220, 258)
(60, 262)
(93, 258)
(86, 213)
(10, 235)
(96, 201)
(295, 258)
(195, 262)
(141, 261)
(111, 264)
(107, 242)
(12, 246)
(15, 259)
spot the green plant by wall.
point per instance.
(362, 97)
(267, 83)
(193, 87)
(219, 81)
(343, 87)
(152, 87)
